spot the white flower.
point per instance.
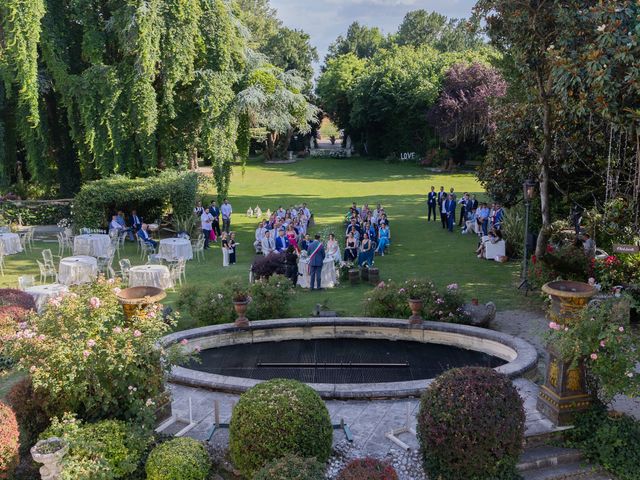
(602, 28)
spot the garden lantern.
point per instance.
(529, 192)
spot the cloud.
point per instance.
(324, 20)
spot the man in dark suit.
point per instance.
(450, 208)
(214, 210)
(442, 198)
(316, 260)
(432, 200)
(282, 242)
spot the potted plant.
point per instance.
(50, 453)
(241, 301)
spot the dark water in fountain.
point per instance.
(341, 360)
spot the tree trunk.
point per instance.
(270, 146)
(544, 161)
(193, 159)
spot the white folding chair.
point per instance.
(125, 267)
(47, 271)
(26, 281)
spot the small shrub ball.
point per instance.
(9, 442)
(368, 469)
(291, 467)
(276, 418)
(471, 425)
(181, 458)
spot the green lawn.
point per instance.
(329, 186)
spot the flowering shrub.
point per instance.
(603, 337)
(12, 296)
(180, 458)
(291, 467)
(10, 318)
(471, 425)
(83, 352)
(268, 298)
(108, 449)
(368, 469)
(9, 443)
(567, 262)
(390, 300)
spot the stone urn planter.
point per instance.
(50, 453)
(415, 305)
(480, 315)
(134, 299)
(564, 391)
(241, 310)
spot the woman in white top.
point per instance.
(225, 249)
(333, 248)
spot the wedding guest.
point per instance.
(305, 242)
(498, 216)
(463, 209)
(333, 248)
(450, 209)
(215, 213)
(225, 249)
(494, 237)
(226, 211)
(136, 221)
(259, 235)
(292, 237)
(432, 200)
(384, 238)
(197, 211)
(365, 257)
(589, 245)
(268, 243)
(281, 241)
(316, 260)
(143, 233)
(232, 248)
(115, 227)
(442, 198)
(206, 222)
(351, 248)
(291, 264)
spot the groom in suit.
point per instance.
(316, 260)
(432, 200)
(442, 198)
(450, 209)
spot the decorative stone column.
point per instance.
(134, 299)
(50, 453)
(564, 393)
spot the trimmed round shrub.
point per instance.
(13, 296)
(471, 425)
(9, 442)
(181, 458)
(291, 467)
(368, 469)
(275, 418)
(31, 409)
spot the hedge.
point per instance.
(97, 200)
(181, 458)
(34, 213)
(9, 443)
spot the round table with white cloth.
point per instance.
(328, 277)
(77, 269)
(150, 276)
(92, 244)
(171, 249)
(11, 242)
(42, 293)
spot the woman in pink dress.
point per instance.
(292, 236)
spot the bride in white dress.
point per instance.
(333, 249)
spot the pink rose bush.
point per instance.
(83, 352)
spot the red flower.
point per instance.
(534, 259)
(549, 249)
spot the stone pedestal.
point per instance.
(564, 391)
(50, 452)
(416, 307)
(241, 310)
(134, 299)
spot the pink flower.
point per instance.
(554, 326)
(32, 369)
(453, 286)
(151, 314)
(86, 353)
(117, 330)
(566, 329)
(94, 302)
(137, 333)
(184, 341)
(602, 343)
(621, 329)
(54, 302)
(117, 290)
(91, 343)
(594, 356)
(111, 281)
(381, 285)
(402, 290)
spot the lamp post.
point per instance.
(529, 190)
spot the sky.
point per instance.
(324, 20)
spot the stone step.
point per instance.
(547, 456)
(568, 471)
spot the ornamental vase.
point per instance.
(50, 453)
(241, 310)
(134, 299)
(415, 305)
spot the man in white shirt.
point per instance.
(268, 243)
(226, 211)
(307, 212)
(259, 236)
(115, 227)
(206, 221)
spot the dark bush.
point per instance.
(291, 467)
(12, 296)
(275, 418)
(368, 469)
(264, 267)
(608, 439)
(31, 409)
(181, 458)
(9, 442)
(471, 425)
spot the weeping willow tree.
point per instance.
(96, 87)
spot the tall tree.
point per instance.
(421, 28)
(291, 49)
(360, 40)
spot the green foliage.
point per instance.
(471, 425)
(512, 229)
(567, 261)
(108, 449)
(291, 467)
(368, 469)
(291, 49)
(32, 409)
(269, 298)
(179, 459)
(391, 300)
(420, 28)
(26, 213)
(97, 200)
(360, 40)
(9, 442)
(82, 352)
(605, 340)
(275, 418)
(608, 439)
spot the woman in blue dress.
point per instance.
(384, 238)
(365, 256)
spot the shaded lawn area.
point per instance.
(329, 186)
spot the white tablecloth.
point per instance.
(171, 249)
(11, 242)
(92, 244)
(150, 276)
(42, 293)
(327, 278)
(77, 269)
